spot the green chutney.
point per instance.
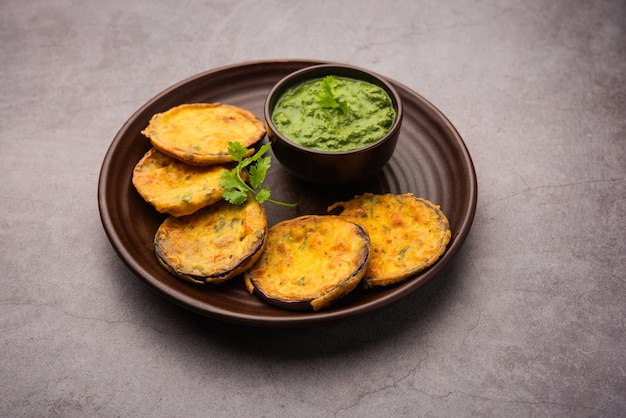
(334, 113)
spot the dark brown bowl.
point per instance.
(330, 167)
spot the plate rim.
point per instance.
(297, 319)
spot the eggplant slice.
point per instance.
(199, 133)
(174, 187)
(309, 262)
(214, 244)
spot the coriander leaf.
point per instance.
(253, 158)
(258, 171)
(237, 151)
(234, 196)
(236, 189)
(343, 105)
(263, 195)
(264, 148)
(228, 180)
(327, 97)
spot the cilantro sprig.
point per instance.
(236, 189)
(327, 97)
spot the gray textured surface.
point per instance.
(529, 319)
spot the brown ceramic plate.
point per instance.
(431, 161)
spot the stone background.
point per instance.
(529, 318)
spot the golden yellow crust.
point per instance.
(199, 133)
(214, 244)
(174, 187)
(309, 262)
(407, 234)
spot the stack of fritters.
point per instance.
(181, 174)
(205, 239)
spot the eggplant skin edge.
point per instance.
(216, 278)
(315, 304)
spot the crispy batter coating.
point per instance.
(174, 187)
(407, 234)
(214, 244)
(199, 133)
(309, 262)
